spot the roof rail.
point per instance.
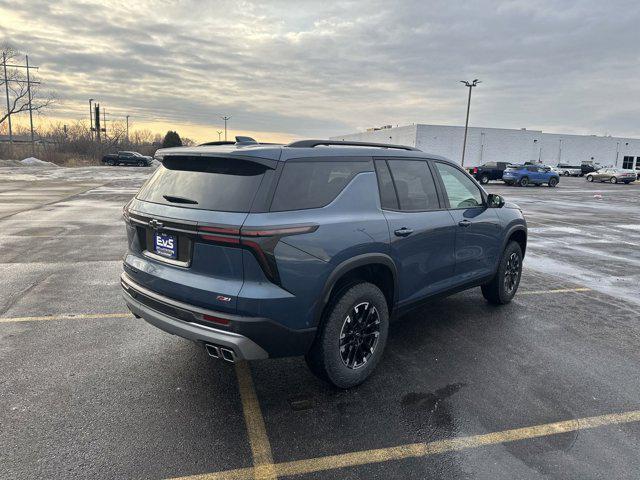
(315, 143)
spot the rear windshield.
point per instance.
(222, 184)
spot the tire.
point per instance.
(501, 290)
(524, 181)
(484, 179)
(567, 174)
(111, 163)
(613, 180)
(142, 164)
(553, 181)
(326, 358)
(589, 178)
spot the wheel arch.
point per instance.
(517, 233)
(376, 268)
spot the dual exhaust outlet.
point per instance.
(223, 353)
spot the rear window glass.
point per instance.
(313, 184)
(388, 197)
(414, 184)
(222, 184)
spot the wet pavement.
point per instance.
(109, 396)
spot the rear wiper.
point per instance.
(174, 199)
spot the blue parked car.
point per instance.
(524, 175)
(260, 251)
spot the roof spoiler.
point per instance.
(347, 143)
(239, 141)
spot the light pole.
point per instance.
(219, 133)
(127, 129)
(226, 118)
(90, 119)
(470, 85)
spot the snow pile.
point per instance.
(36, 162)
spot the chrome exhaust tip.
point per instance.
(228, 355)
(212, 350)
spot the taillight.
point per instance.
(125, 212)
(261, 241)
(475, 169)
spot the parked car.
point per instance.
(612, 175)
(524, 175)
(570, 170)
(488, 171)
(127, 158)
(590, 167)
(260, 251)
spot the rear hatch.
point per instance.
(183, 228)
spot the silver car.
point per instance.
(612, 175)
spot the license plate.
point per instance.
(166, 245)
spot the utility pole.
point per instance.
(127, 117)
(96, 109)
(33, 145)
(470, 85)
(6, 89)
(90, 120)
(226, 118)
(219, 133)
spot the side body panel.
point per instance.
(351, 225)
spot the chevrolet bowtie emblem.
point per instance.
(155, 224)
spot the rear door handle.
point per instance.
(464, 223)
(403, 232)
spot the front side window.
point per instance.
(313, 184)
(459, 188)
(414, 185)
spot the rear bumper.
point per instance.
(250, 338)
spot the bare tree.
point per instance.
(17, 84)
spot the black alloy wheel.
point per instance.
(512, 272)
(359, 335)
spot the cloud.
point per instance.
(311, 68)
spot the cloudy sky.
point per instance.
(293, 69)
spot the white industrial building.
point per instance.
(507, 145)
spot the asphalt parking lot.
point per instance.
(546, 387)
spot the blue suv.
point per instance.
(258, 250)
(524, 175)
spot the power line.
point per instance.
(29, 82)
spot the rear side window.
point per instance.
(414, 185)
(388, 199)
(313, 184)
(222, 184)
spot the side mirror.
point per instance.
(495, 201)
